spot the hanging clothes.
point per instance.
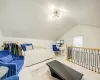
(6, 47)
(20, 50)
(13, 48)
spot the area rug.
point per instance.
(42, 73)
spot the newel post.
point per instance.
(66, 52)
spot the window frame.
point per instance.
(82, 40)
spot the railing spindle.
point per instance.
(82, 57)
(74, 55)
(78, 55)
(71, 54)
(95, 60)
(92, 60)
(86, 58)
(89, 59)
(98, 61)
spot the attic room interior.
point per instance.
(49, 39)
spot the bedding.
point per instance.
(26, 47)
(37, 55)
(29, 48)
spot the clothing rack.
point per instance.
(10, 42)
(14, 47)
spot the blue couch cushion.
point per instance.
(19, 64)
(4, 53)
(6, 59)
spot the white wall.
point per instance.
(35, 42)
(91, 36)
(1, 40)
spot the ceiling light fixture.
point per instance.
(57, 12)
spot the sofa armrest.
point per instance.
(12, 69)
(18, 57)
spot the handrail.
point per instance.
(86, 57)
(86, 48)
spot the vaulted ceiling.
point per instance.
(30, 18)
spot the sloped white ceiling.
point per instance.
(30, 18)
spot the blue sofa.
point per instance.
(14, 63)
(12, 78)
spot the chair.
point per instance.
(55, 49)
(13, 78)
